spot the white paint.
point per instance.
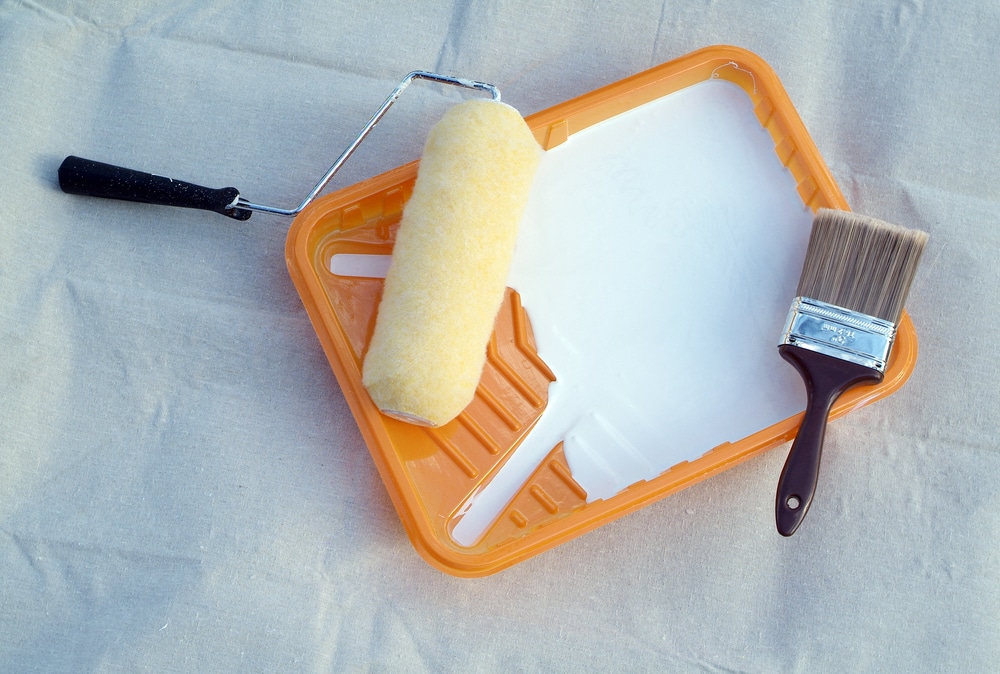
(657, 260)
(360, 265)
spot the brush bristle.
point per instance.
(860, 263)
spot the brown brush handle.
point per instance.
(825, 377)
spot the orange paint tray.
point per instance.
(431, 474)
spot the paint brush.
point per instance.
(855, 278)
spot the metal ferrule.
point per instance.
(838, 332)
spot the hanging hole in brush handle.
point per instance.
(826, 378)
(95, 179)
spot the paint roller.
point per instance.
(449, 265)
(453, 248)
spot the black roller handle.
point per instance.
(825, 377)
(95, 179)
